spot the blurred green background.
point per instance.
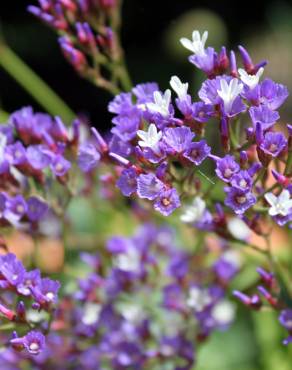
(150, 34)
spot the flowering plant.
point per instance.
(145, 301)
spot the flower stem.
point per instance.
(33, 84)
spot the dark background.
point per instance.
(146, 24)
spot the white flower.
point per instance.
(91, 313)
(3, 142)
(250, 80)
(180, 88)
(150, 138)
(280, 205)
(223, 312)
(232, 257)
(129, 261)
(194, 212)
(132, 313)
(198, 298)
(229, 92)
(197, 44)
(238, 228)
(161, 103)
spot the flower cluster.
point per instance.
(159, 146)
(34, 150)
(119, 314)
(273, 294)
(24, 296)
(88, 37)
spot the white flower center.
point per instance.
(180, 88)
(34, 346)
(194, 212)
(150, 139)
(229, 92)
(198, 299)
(50, 296)
(250, 80)
(161, 103)
(197, 44)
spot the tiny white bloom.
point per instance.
(91, 313)
(194, 212)
(232, 257)
(197, 44)
(229, 92)
(238, 228)
(161, 103)
(250, 80)
(198, 299)
(129, 261)
(132, 313)
(3, 142)
(281, 204)
(150, 138)
(223, 312)
(36, 316)
(180, 88)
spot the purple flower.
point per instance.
(33, 342)
(120, 147)
(239, 200)
(59, 165)
(204, 61)
(202, 112)
(272, 94)
(16, 153)
(31, 278)
(283, 220)
(227, 265)
(285, 319)
(178, 139)
(265, 116)
(127, 182)
(149, 186)
(209, 90)
(226, 167)
(197, 152)
(11, 269)
(242, 181)
(36, 208)
(173, 298)
(144, 92)
(46, 291)
(88, 157)
(16, 208)
(121, 104)
(22, 119)
(273, 143)
(126, 126)
(38, 156)
(167, 202)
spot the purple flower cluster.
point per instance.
(21, 288)
(120, 314)
(158, 145)
(88, 36)
(34, 150)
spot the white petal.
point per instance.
(142, 134)
(271, 199)
(284, 196)
(187, 44)
(204, 37)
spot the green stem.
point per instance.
(33, 84)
